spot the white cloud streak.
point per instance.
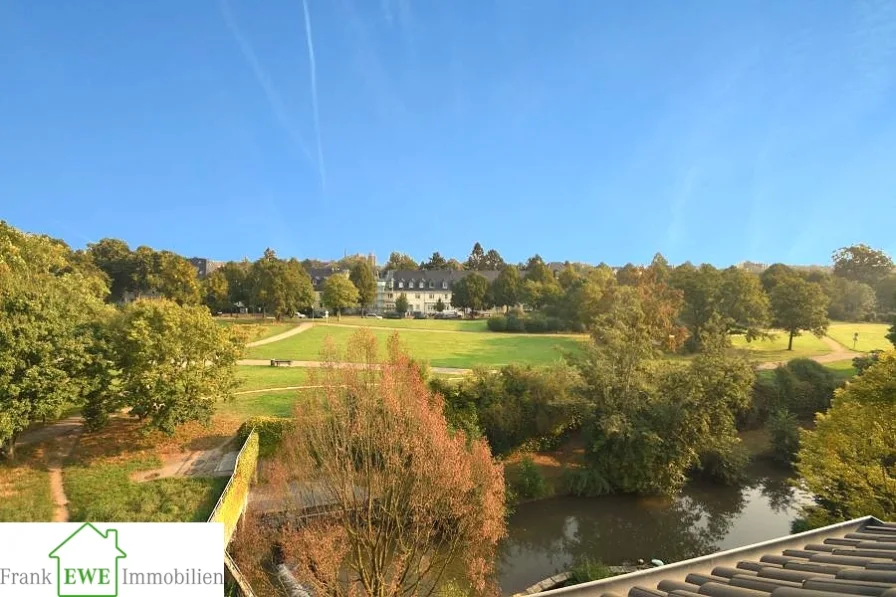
(312, 64)
(270, 92)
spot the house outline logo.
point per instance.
(94, 556)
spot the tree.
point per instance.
(399, 261)
(175, 363)
(216, 292)
(363, 278)
(435, 262)
(538, 271)
(568, 276)
(470, 292)
(239, 283)
(401, 304)
(849, 460)
(175, 278)
(775, 274)
(850, 300)
(413, 500)
(454, 264)
(743, 303)
(799, 305)
(339, 293)
(886, 294)
(891, 334)
(440, 305)
(629, 274)
(114, 257)
(492, 261)
(861, 263)
(49, 312)
(279, 287)
(476, 259)
(506, 289)
(661, 268)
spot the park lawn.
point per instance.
(25, 493)
(278, 403)
(457, 349)
(775, 349)
(842, 370)
(104, 491)
(453, 325)
(257, 329)
(872, 336)
(262, 377)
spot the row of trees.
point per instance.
(62, 344)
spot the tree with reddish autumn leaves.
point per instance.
(412, 505)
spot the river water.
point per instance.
(545, 537)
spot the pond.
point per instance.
(545, 537)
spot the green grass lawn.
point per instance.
(843, 370)
(872, 336)
(259, 378)
(25, 494)
(775, 349)
(262, 404)
(104, 491)
(455, 325)
(457, 349)
(256, 329)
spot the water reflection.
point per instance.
(548, 536)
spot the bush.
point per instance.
(587, 570)
(784, 431)
(497, 323)
(725, 465)
(515, 324)
(530, 483)
(536, 324)
(861, 363)
(586, 482)
(270, 432)
(804, 388)
(392, 315)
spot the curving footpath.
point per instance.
(838, 353)
(302, 327)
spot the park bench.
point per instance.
(278, 362)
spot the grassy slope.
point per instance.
(25, 494)
(262, 404)
(775, 349)
(872, 336)
(258, 378)
(441, 350)
(104, 491)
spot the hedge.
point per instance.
(270, 432)
(233, 500)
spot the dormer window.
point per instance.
(445, 285)
(411, 284)
(422, 284)
(432, 284)
(401, 284)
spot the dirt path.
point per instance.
(302, 327)
(216, 462)
(838, 353)
(315, 364)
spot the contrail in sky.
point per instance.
(262, 77)
(313, 70)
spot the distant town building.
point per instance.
(204, 266)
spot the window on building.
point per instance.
(401, 284)
(431, 296)
(390, 295)
(445, 285)
(432, 285)
(416, 296)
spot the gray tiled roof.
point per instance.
(857, 557)
(437, 276)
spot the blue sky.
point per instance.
(584, 130)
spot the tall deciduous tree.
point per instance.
(850, 300)
(862, 264)
(507, 288)
(416, 504)
(798, 305)
(114, 257)
(175, 278)
(492, 261)
(279, 287)
(216, 292)
(849, 460)
(339, 293)
(775, 274)
(470, 292)
(363, 278)
(399, 261)
(48, 316)
(239, 288)
(175, 361)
